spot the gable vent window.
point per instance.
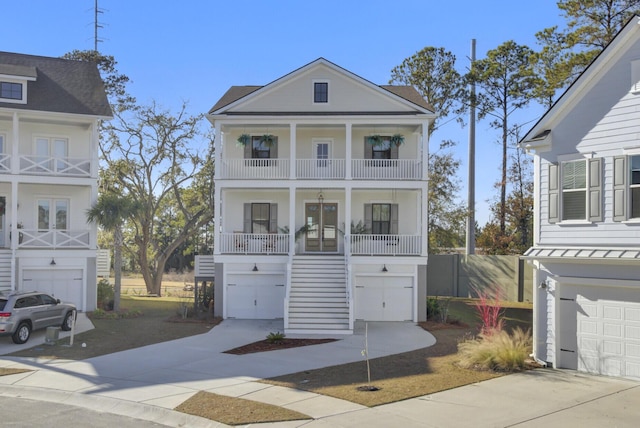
(11, 91)
(321, 92)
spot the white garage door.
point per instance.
(384, 298)
(606, 326)
(252, 297)
(63, 284)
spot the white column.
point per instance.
(15, 145)
(425, 188)
(292, 151)
(217, 147)
(292, 219)
(347, 161)
(217, 223)
(347, 212)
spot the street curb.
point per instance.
(111, 405)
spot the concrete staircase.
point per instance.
(318, 297)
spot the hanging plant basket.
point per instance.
(244, 139)
(397, 139)
(268, 139)
(374, 140)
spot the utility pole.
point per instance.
(96, 25)
(471, 198)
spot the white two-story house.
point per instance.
(586, 251)
(50, 110)
(321, 200)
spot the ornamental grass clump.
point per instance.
(499, 351)
(490, 309)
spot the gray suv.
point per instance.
(21, 312)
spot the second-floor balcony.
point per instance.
(322, 169)
(47, 166)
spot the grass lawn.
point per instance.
(398, 377)
(113, 335)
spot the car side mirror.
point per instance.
(57, 301)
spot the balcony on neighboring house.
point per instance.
(47, 166)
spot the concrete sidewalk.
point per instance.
(148, 382)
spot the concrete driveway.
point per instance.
(148, 382)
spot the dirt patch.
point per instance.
(236, 411)
(266, 345)
(9, 371)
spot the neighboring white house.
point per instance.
(586, 251)
(49, 114)
(296, 156)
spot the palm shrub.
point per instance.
(105, 294)
(499, 351)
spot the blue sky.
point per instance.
(194, 50)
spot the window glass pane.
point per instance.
(1, 143)
(43, 215)
(42, 146)
(574, 175)
(635, 169)
(11, 91)
(574, 205)
(381, 216)
(260, 218)
(382, 150)
(62, 210)
(635, 202)
(260, 150)
(320, 92)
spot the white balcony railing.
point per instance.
(251, 169)
(29, 238)
(46, 165)
(5, 163)
(386, 169)
(320, 168)
(396, 245)
(254, 243)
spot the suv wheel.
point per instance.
(22, 333)
(68, 321)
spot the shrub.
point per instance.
(490, 310)
(433, 308)
(276, 337)
(105, 294)
(499, 351)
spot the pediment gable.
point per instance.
(347, 94)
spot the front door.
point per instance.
(322, 221)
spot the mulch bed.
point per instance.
(265, 345)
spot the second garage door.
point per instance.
(600, 330)
(384, 298)
(250, 297)
(63, 284)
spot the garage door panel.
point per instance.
(252, 297)
(64, 284)
(384, 298)
(608, 330)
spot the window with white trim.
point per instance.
(11, 90)
(575, 191)
(320, 92)
(634, 186)
(53, 214)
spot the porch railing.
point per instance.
(5, 163)
(320, 168)
(251, 169)
(254, 243)
(46, 165)
(384, 245)
(30, 238)
(386, 169)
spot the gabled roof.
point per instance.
(602, 62)
(237, 94)
(57, 85)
